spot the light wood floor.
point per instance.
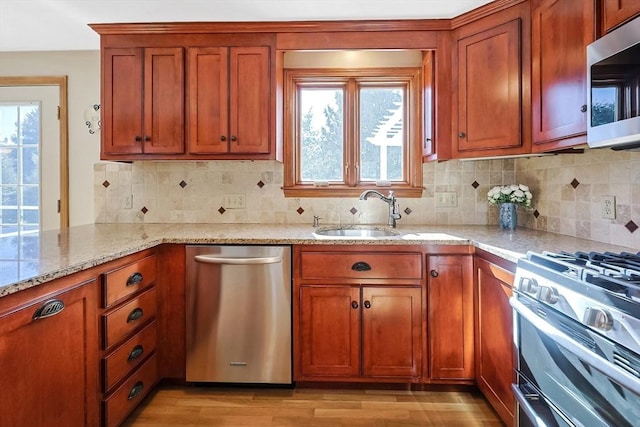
(209, 406)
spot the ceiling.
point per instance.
(36, 25)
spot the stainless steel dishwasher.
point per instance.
(238, 314)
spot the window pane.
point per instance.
(30, 216)
(382, 134)
(9, 159)
(9, 216)
(30, 165)
(10, 195)
(30, 196)
(321, 134)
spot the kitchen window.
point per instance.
(351, 130)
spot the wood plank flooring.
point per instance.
(212, 406)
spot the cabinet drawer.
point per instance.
(128, 279)
(123, 320)
(129, 356)
(130, 394)
(347, 265)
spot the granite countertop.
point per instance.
(29, 260)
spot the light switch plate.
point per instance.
(446, 199)
(234, 201)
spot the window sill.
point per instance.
(344, 191)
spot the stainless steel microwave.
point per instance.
(613, 77)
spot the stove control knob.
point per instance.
(528, 285)
(598, 318)
(548, 294)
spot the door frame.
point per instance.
(61, 82)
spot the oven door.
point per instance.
(575, 372)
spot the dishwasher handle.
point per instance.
(212, 259)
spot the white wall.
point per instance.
(83, 71)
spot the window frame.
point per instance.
(352, 80)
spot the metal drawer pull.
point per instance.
(361, 266)
(434, 273)
(135, 314)
(136, 390)
(212, 259)
(367, 304)
(136, 352)
(135, 279)
(354, 304)
(48, 309)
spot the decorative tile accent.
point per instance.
(222, 210)
(575, 183)
(300, 210)
(144, 210)
(475, 184)
(182, 184)
(631, 226)
(536, 213)
(408, 211)
(260, 184)
(353, 211)
(106, 183)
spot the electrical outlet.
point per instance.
(128, 201)
(234, 201)
(447, 199)
(608, 207)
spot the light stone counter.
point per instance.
(30, 260)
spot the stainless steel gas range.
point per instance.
(577, 332)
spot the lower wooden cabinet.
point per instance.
(494, 334)
(362, 321)
(450, 289)
(48, 357)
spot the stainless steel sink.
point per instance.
(354, 233)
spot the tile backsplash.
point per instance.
(567, 189)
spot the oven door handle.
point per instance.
(526, 407)
(603, 365)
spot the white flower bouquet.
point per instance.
(516, 193)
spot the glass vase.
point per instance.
(508, 216)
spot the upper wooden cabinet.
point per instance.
(491, 83)
(616, 12)
(561, 31)
(143, 101)
(229, 93)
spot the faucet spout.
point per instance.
(390, 200)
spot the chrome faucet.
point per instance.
(390, 200)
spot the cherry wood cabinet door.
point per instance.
(208, 100)
(489, 91)
(249, 97)
(561, 31)
(330, 331)
(615, 12)
(122, 88)
(143, 93)
(450, 301)
(164, 100)
(494, 337)
(391, 331)
(48, 365)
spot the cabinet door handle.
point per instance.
(135, 314)
(136, 390)
(462, 134)
(223, 138)
(354, 304)
(135, 279)
(234, 138)
(138, 138)
(367, 304)
(361, 266)
(136, 352)
(147, 138)
(48, 309)
(434, 273)
(583, 108)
